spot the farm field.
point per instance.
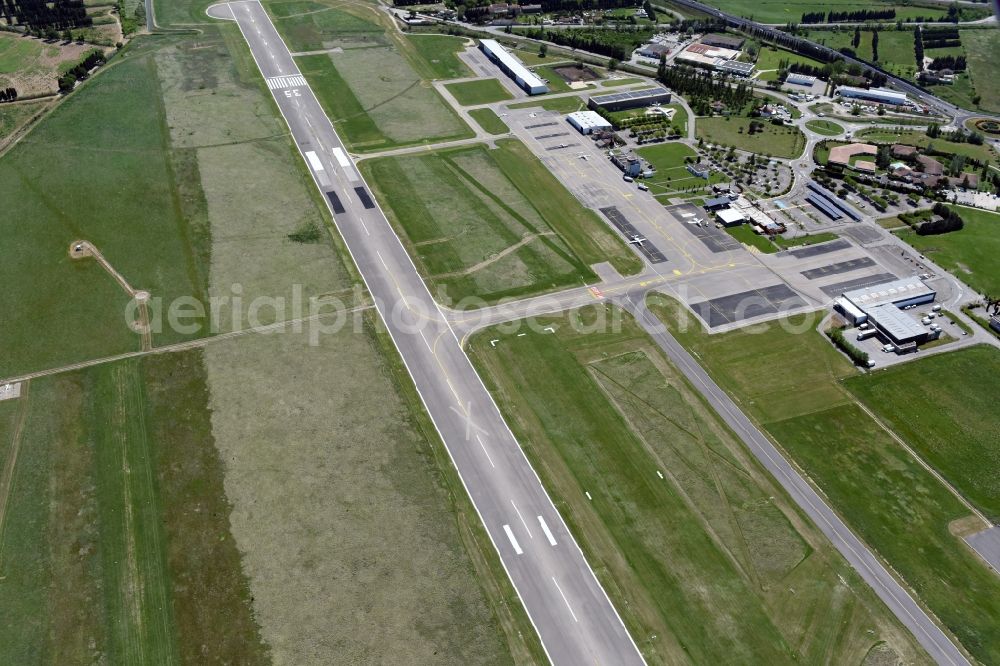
(483, 91)
(980, 47)
(918, 138)
(774, 140)
(520, 232)
(439, 52)
(944, 424)
(116, 537)
(692, 560)
(895, 47)
(122, 201)
(15, 116)
(775, 11)
(971, 253)
(907, 516)
(489, 121)
(825, 127)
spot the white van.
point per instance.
(643, 187)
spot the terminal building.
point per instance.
(630, 100)
(512, 67)
(882, 306)
(588, 121)
(878, 95)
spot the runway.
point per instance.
(573, 616)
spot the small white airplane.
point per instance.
(584, 156)
(636, 239)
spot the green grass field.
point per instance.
(489, 121)
(770, 57)
(672, 176)
(375, 113)
(801, 241)
(744, 234)
(520, 232)
(614, 83)
(774, 140)
(439, 52)
(707, 564)
(944, 420)
(114, 184)
(894, 504)
(483, 91)
(15, 116)
(918, 138)
(971, 254)
(567, 104)
(980, 48)
(116, 542)
(825, 127)
(776, 11)
(895, 48)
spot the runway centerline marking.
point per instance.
(548, 534)
(479, 439)
(530, 535)
(570, 608)
(517, 546)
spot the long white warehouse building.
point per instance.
(513, 67)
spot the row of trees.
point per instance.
(958, 135)
(701, 88)
(68, 80)
(849, 17)
(954, 63)
(608, 43)
(948, 220)
(42, 15)
(8, 94)
(857, 356)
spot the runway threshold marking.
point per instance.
(570, 608)
(314, 161)
(548, 533)
(279, 82)
(515, 544)
(530, 535)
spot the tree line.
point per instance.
(948, 220)
(617, 44)
(41, 14)
(701, 88)
(858, 16)
(954, 63)
(8, 94)
(68, 80)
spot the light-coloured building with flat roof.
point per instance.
(513, 67)
(588, 121)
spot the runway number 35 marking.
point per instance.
(294, 92)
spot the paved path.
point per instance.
(575, 620)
